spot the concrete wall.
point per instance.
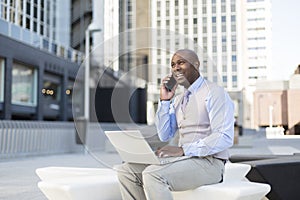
(293, 98)
(262, 102)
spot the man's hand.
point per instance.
(169, 151)
(164, 93)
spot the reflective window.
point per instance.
(24, 84)
(233, 58)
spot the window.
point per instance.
(24, 85)
(204, 29)
(205, 66)
(215, 79)
(215, 49)
(195, 21)
(256, 38)
(256, 19)
(223, 18)
(214, 28)
(213, 9)
(233, 47)
(232, 18)
(176, 2)
(256, 48)
(234, 78)
(233, 28)
(1, 79)
(224, 48)
(223, 39)
(195, 30)
(254, 0)
(213, 19)
(158, 81)
(233, 58)
(233, 8)
(223, 8)
(167, 13)
(167, 22)
(223, 28)
(195, 11)
(234, 68)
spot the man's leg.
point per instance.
(130, 179)
(188, 174)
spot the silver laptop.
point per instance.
(133, 148)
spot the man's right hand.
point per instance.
(165, 94)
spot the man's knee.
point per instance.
(151, 175)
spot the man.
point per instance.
(203, 117)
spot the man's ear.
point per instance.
(197, 64)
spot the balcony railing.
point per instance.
(40, 42)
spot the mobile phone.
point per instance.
(171, 83)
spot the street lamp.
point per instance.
(91, 29)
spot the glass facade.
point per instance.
(32, 22)
(24, 85)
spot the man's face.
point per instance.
(183, 71)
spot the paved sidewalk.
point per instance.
(18, 180)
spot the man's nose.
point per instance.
(176, 67)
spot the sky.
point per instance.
(285, 38)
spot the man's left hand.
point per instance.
(169, 151)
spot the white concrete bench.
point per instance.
(67, 183)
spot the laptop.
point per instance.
(133, 148)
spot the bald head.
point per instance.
(190, 56)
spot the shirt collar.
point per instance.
(196, 85)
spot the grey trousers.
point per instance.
(152, 182)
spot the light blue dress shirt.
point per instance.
(221, 115)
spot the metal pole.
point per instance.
(87, 76)
(271, 116)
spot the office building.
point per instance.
(225, 33)
(258, 41)
(37, 65)
(122, 39)
(276, 104)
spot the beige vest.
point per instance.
(194, 123)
